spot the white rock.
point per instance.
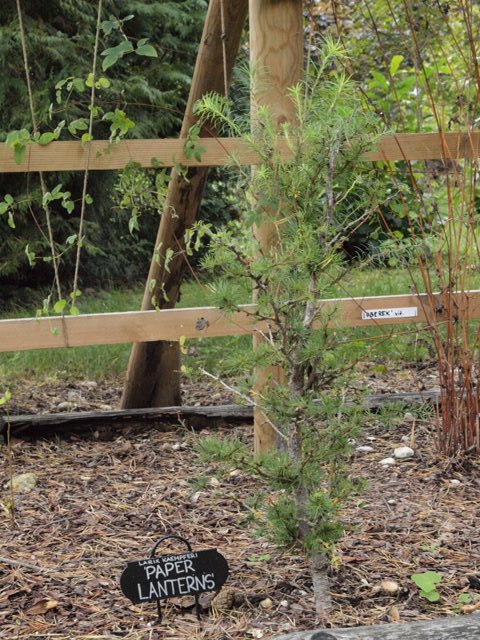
(66, 406)
(455, 482)
(285, 604)
(387, 461)
(403, 452)
(88, 384)
(390, 587)
(214, 482)
(23, 482)
(266, 604)
(409, 417)
(105, 407)
(236, 473)
(371, 438)
(365, 449)
(196, 497)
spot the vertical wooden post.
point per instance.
(276, 57)
(153, 374)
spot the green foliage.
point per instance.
(215, 449)
(427, 583)
(5, 398)
(321, 474)
(302, 199)
(145, 89)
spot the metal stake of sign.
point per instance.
(152, 555)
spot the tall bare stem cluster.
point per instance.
(431, 84)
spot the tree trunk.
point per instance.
(319, 562)
(153, 374)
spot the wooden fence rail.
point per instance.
(148, 326)
(208, 322)
(101, 155)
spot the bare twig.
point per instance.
(248, 400)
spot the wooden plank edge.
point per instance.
(208, 322)
(193, 416)
(101, 155)
(466, 627)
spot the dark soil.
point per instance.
(99, 503)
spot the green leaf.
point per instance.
(11, 221)
(71, 239)
(86, 137)
(464, 598)
(263, 557)
(58, 129)
(80, 124)
(59, 306)
(107, 26)
(426, 581)
(380, 80)
(78, 85)
(120, 123)
(114, 54)
(88, 199)
(102, 83)
(19, 153)
(68, 206)
(169, 253)
(30, 256)
(74, 311)
(395, 64)
(431, 596)
(62, 83)
(146, 50)
(109, 62)
(47, 138)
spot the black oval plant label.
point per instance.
(172, 576)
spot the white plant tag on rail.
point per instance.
(390, 314)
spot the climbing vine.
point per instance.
(80, 127)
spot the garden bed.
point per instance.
(102, 499)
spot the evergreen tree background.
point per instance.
(153, 93)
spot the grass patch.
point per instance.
(109, 361)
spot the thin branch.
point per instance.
(248, 400)
(85, 177)
(20, 563)
(43, 186)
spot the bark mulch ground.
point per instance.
(100, 502)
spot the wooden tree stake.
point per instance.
(276, 54)
(153, 375)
